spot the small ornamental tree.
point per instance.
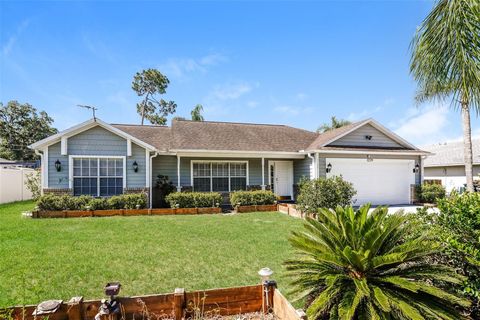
(324, 193)
(360, 265)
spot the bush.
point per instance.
(324, 193)
(33, 183)
(52, 202)
(248, 198)
(430, 193)
(457, 225)
(193, 199)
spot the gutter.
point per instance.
(313, 164)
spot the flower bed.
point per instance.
(255, 208)
(121, 212)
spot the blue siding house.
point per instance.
(101, 159)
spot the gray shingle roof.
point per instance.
(226, 136)
(450, 154)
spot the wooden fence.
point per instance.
(178, 305)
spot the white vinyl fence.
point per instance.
(12, 184)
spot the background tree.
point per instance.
(334, 124)
(149, 84)
(20, 126)
(446, 62)
(178, 118)
(197, 113)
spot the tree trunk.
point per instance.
(467, 145)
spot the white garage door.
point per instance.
(379, 181)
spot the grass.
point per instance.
(44, 259)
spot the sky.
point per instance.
(294, 63)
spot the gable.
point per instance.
(97, 141)
(357, 138)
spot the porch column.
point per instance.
(317, 166)
(263, 173)
(179, 187)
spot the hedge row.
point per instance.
(51, 202)
(249, 198)
(194, 199)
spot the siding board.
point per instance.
(357, 138)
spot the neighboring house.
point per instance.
(447, 166)
(106, 159)
(4, 163)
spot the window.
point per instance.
(219, 176)
(98, 176)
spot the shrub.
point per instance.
(324, 193)
(429, 192)
(193, 199)
(457, 227)
(53, 202)
(33, 184)
(248, 198)
(352, 264)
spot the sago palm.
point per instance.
(360, 265)
(446, 62)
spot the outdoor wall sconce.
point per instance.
(329, 168)
(368, 137)
(135, 166)
(417, 168)
(58, 165)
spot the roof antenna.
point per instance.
(89, 107)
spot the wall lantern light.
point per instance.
(135, 166)
(329, 168)
(368, 137)
(416, 169)
(58, 165)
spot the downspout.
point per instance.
(314, 167)
(150, 183)
(42, 168)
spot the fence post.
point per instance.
(179, 302)
(74, 311)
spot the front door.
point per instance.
(282, 176)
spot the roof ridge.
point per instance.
(139, 125)
(245, 123)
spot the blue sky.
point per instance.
(295, 63)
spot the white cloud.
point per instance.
(423, 126)
(8, 46)
(368, 113)
(232, 91)
(301, 96)
(289, 110)
(252, 104)
(180, 67)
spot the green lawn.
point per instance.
(60, 258)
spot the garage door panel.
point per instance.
(379, 181)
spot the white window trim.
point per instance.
(223, 161)
(70, 168)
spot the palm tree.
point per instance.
(446, 62)
(334, 124)
(359, 265)
(197, 113)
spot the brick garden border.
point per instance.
(123, 212)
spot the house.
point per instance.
(103, 159)
(446, 165)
